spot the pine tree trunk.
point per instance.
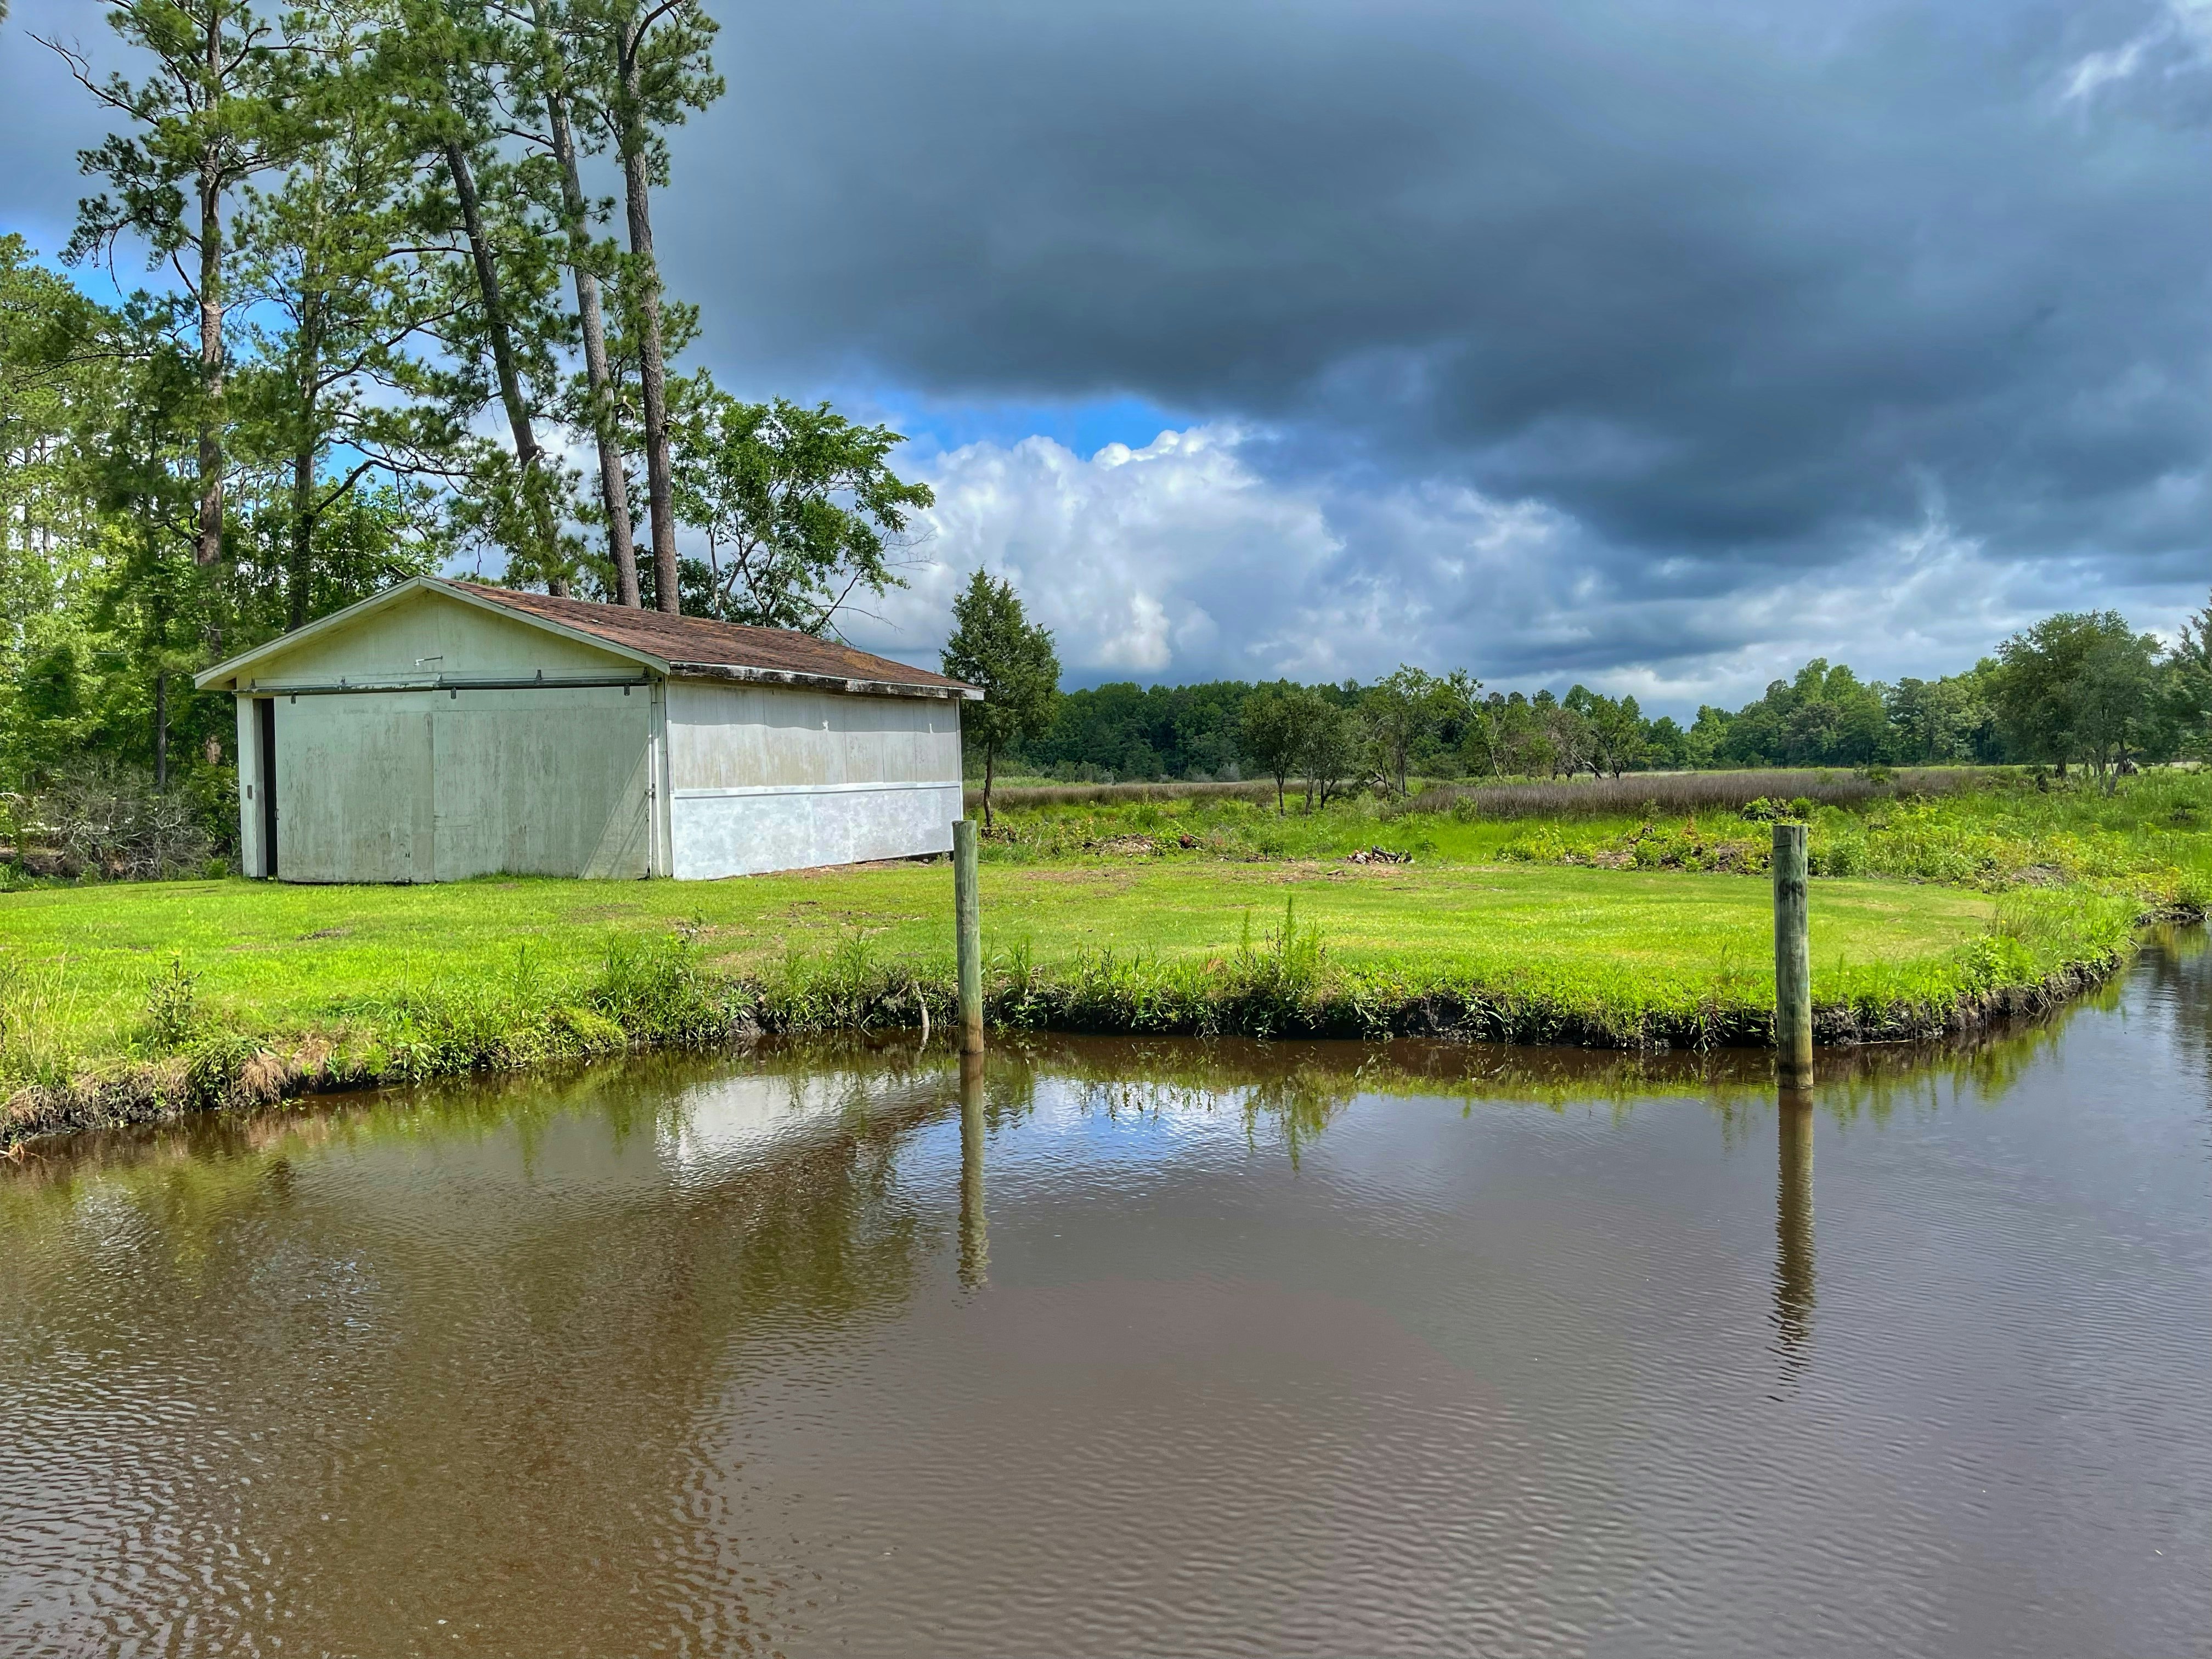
(614, 481)
(298, 565)
(528, 458)
(990, 767)
(651, 372)
(207, 548)
(160, 728)
(299, 569)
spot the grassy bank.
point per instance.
(132, 1002)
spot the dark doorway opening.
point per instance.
(264, 733)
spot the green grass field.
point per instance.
(284, 957)
(1101, 918)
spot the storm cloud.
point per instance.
(1659, 345)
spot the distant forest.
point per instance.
(2078, 690)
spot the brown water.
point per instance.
(1154, 1349)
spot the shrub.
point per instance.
(173, 1008)
(102, 820)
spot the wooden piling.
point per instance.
(1793, 960)
(968, 921)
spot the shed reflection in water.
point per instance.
(1301, 1348)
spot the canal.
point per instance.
(1129, 1347)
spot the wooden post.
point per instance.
(967, 922)
(1793, 960)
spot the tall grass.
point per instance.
(1649, 793)
(1665, 791)
(2148, 841)
(1082, 794)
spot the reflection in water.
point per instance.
(975, 1232)
(1292, 1347)
(1793, 1227)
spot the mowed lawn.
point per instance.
(284, 957)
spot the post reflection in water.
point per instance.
(975, 1233)
(1793, 1229)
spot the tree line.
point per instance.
(2077, 691)
(382, 265)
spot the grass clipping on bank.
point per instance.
(652, 992)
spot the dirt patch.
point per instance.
(328, 932)
(1315, 870)
(1123, 847)
(816, 872)
(1103, 879)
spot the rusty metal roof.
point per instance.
(695, 647)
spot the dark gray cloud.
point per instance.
(1730, 284)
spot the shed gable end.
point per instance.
(429, 632)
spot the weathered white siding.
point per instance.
(777, 778)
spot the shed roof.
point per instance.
(683, 647)
(696, 642)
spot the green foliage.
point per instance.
(1273, 727)
(798, 506)
(173, 1008)
(2081, 687)
(996, 648)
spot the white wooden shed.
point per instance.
(446, 729)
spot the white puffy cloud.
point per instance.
(1183, 560)
(1188, 560)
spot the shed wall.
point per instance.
(425, 786)
(779, 778)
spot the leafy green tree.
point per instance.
(2190, 683)
(1330, 755)
(996, 648)
(1613, 727)
(2119, 705)
(799, 508)
(2042, 687)
(340, 298)
(55, 384)
(1666, 744)
(437, 75)
(1567, 741)
(205, 121)
(1399, 711)
(1274, 726)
